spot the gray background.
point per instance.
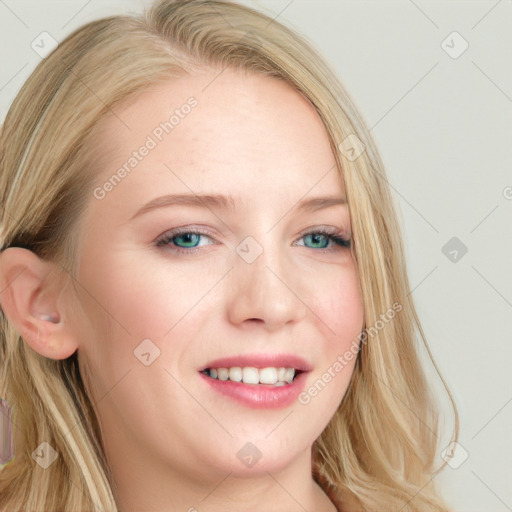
(442, 124)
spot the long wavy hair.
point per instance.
(380, 448)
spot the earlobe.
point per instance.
(29, 300)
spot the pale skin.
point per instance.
(170, 440)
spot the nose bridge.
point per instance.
(264, 285)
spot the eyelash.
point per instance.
(331, 234)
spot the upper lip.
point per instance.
(265, 360)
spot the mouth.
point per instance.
(269, 376)
(258, 380)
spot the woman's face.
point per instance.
(242, 279)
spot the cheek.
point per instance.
(340, 312)
(340, 307)
(143, 301)
(161, 302)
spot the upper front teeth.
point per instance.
(251, 375)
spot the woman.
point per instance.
(205, 300)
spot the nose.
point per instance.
(266, 290)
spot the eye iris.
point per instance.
(190, 238)
(315, 237)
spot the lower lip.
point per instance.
(259, 396)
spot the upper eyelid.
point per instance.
(204, 231)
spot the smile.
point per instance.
(275, 376)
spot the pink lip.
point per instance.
(259, 396)
(261, 361)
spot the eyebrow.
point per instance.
(222, 202)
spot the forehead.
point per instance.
(212, 130)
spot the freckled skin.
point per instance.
(165, 430)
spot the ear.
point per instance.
(29, 296)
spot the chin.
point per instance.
(252, 456)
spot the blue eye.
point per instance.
(187, 241)
(323, 238)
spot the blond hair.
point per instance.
(379, 450)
